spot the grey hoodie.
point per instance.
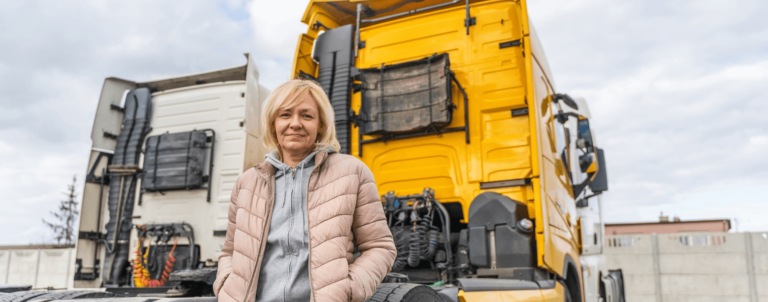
(284, 274)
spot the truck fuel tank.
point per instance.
(500, 234)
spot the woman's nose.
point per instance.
(295, 122)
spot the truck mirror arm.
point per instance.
(566, 99)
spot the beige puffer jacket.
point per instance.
(343, 205)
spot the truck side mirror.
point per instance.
(584, 140)
(566, 99)
(600, 182)
(587, 163)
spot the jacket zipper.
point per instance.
(309, 247)
(264, 229)
(306, 213)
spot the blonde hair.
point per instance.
(290, 94)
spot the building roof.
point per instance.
(668, 227)
(728, 221)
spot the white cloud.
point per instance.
(276, 28)
(277, 25)
(759, 140)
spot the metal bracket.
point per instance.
(79, 275)
(471, 21)
(117, 108)
(318, 25)
(356, 87)
(519, 112)
(110, 135)
(468, 21)
(91, 177)
(582, 203)
(307, 76)
(505, 183)
(89, 235)
(507, 44)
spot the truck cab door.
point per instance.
(556, 218)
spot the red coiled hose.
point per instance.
(141, 274)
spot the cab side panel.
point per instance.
(220, 107)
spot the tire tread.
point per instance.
(401, 292)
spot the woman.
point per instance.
(294, 217)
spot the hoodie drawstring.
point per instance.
(301, 170)
(290, 198)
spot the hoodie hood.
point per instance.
(281, 168)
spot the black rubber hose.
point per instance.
(120, 263)
(401, 245)
(188, 227)
(446, 231)
(429, 244)
(423, 229)
(434, 234)
(414, 247)
(122, 233)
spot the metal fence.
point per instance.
(691, 266)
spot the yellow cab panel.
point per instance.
(493, 79)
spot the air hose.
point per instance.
(418, 235)
(141, 274)
(434, 235)
(401, 245)
(414, 247)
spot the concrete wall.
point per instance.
(691, 266)
(44, 267)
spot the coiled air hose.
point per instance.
(401, 245)
(418, 235)
(141, 274)
(434, 234)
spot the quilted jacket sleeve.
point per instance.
(225, 259)
(374, 239)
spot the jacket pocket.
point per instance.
(217, 287)
(349, 289)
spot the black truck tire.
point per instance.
(21, 296)
(566, 293)
(57, 295)
(404, 292)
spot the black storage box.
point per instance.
(407, 97)
(175, 161)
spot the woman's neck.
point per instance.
(293, 158)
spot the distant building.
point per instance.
(664, 226)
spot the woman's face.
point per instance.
(297, 127)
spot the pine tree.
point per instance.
(64, 228)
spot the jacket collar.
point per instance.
(267, 170)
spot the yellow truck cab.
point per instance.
(486, 171)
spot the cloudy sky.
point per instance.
(676, 89)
